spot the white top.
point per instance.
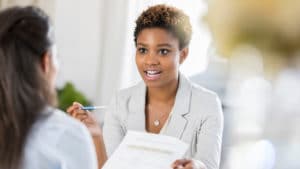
(59, 142)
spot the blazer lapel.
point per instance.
(136, 109)
(181, 107)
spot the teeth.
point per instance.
(152, 72)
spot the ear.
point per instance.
(46, 62)
(183, 54)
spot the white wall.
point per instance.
(96, 48)
(78, 40)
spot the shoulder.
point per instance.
(201, 92)
(60, 119)
(205, 108)
(125, 102)
(56, 139)
(205, 100)
(129, 91)
(57, 125)
(124, 95)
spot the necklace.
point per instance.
(159, 118)
(156, 123)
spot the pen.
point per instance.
(92, 107)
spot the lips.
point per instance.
(152, 74)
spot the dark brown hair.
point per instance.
(168, 18)
(24, 90)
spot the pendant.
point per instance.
(156, 123)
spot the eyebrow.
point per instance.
(165, 45)
(141, 44)
(159, 45)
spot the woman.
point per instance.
(166, 102)
(33, 134)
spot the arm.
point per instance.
(108, 140)
(91, 123)
(209, 139)
(100, 150)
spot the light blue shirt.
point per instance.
(59, 142)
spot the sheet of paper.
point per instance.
(146, 151)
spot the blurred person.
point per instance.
(215, 76)
(33, 134)
(267, 27)
(165, 102)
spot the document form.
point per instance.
(146, 151)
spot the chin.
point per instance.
(157, 84)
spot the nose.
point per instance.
(151, 59)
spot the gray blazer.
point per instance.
(197, 119)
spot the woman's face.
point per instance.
(158, 57)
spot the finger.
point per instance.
(81, 116)
(90, 121)
(178, 167)
(86, 113)
(73, 107)
(79, 111)
(77, 104)
(84, 120)
(70, 109)
(75, 113)
(175, 164)
(88, 116)
(189, 165)
(182, 162)
(92, 116)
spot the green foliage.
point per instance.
(68, 94)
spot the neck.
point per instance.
(164, 95)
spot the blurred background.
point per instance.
(247, 51)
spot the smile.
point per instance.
(152, 74)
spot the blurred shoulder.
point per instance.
(63, 120)
(53, 138)
(57, 124)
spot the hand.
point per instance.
(188, 164)
(86, 117)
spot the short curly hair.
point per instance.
(166, 17)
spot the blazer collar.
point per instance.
(181, 107)
(177, 123)
(183, 96)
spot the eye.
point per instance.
(142, 50)
(164, 51)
